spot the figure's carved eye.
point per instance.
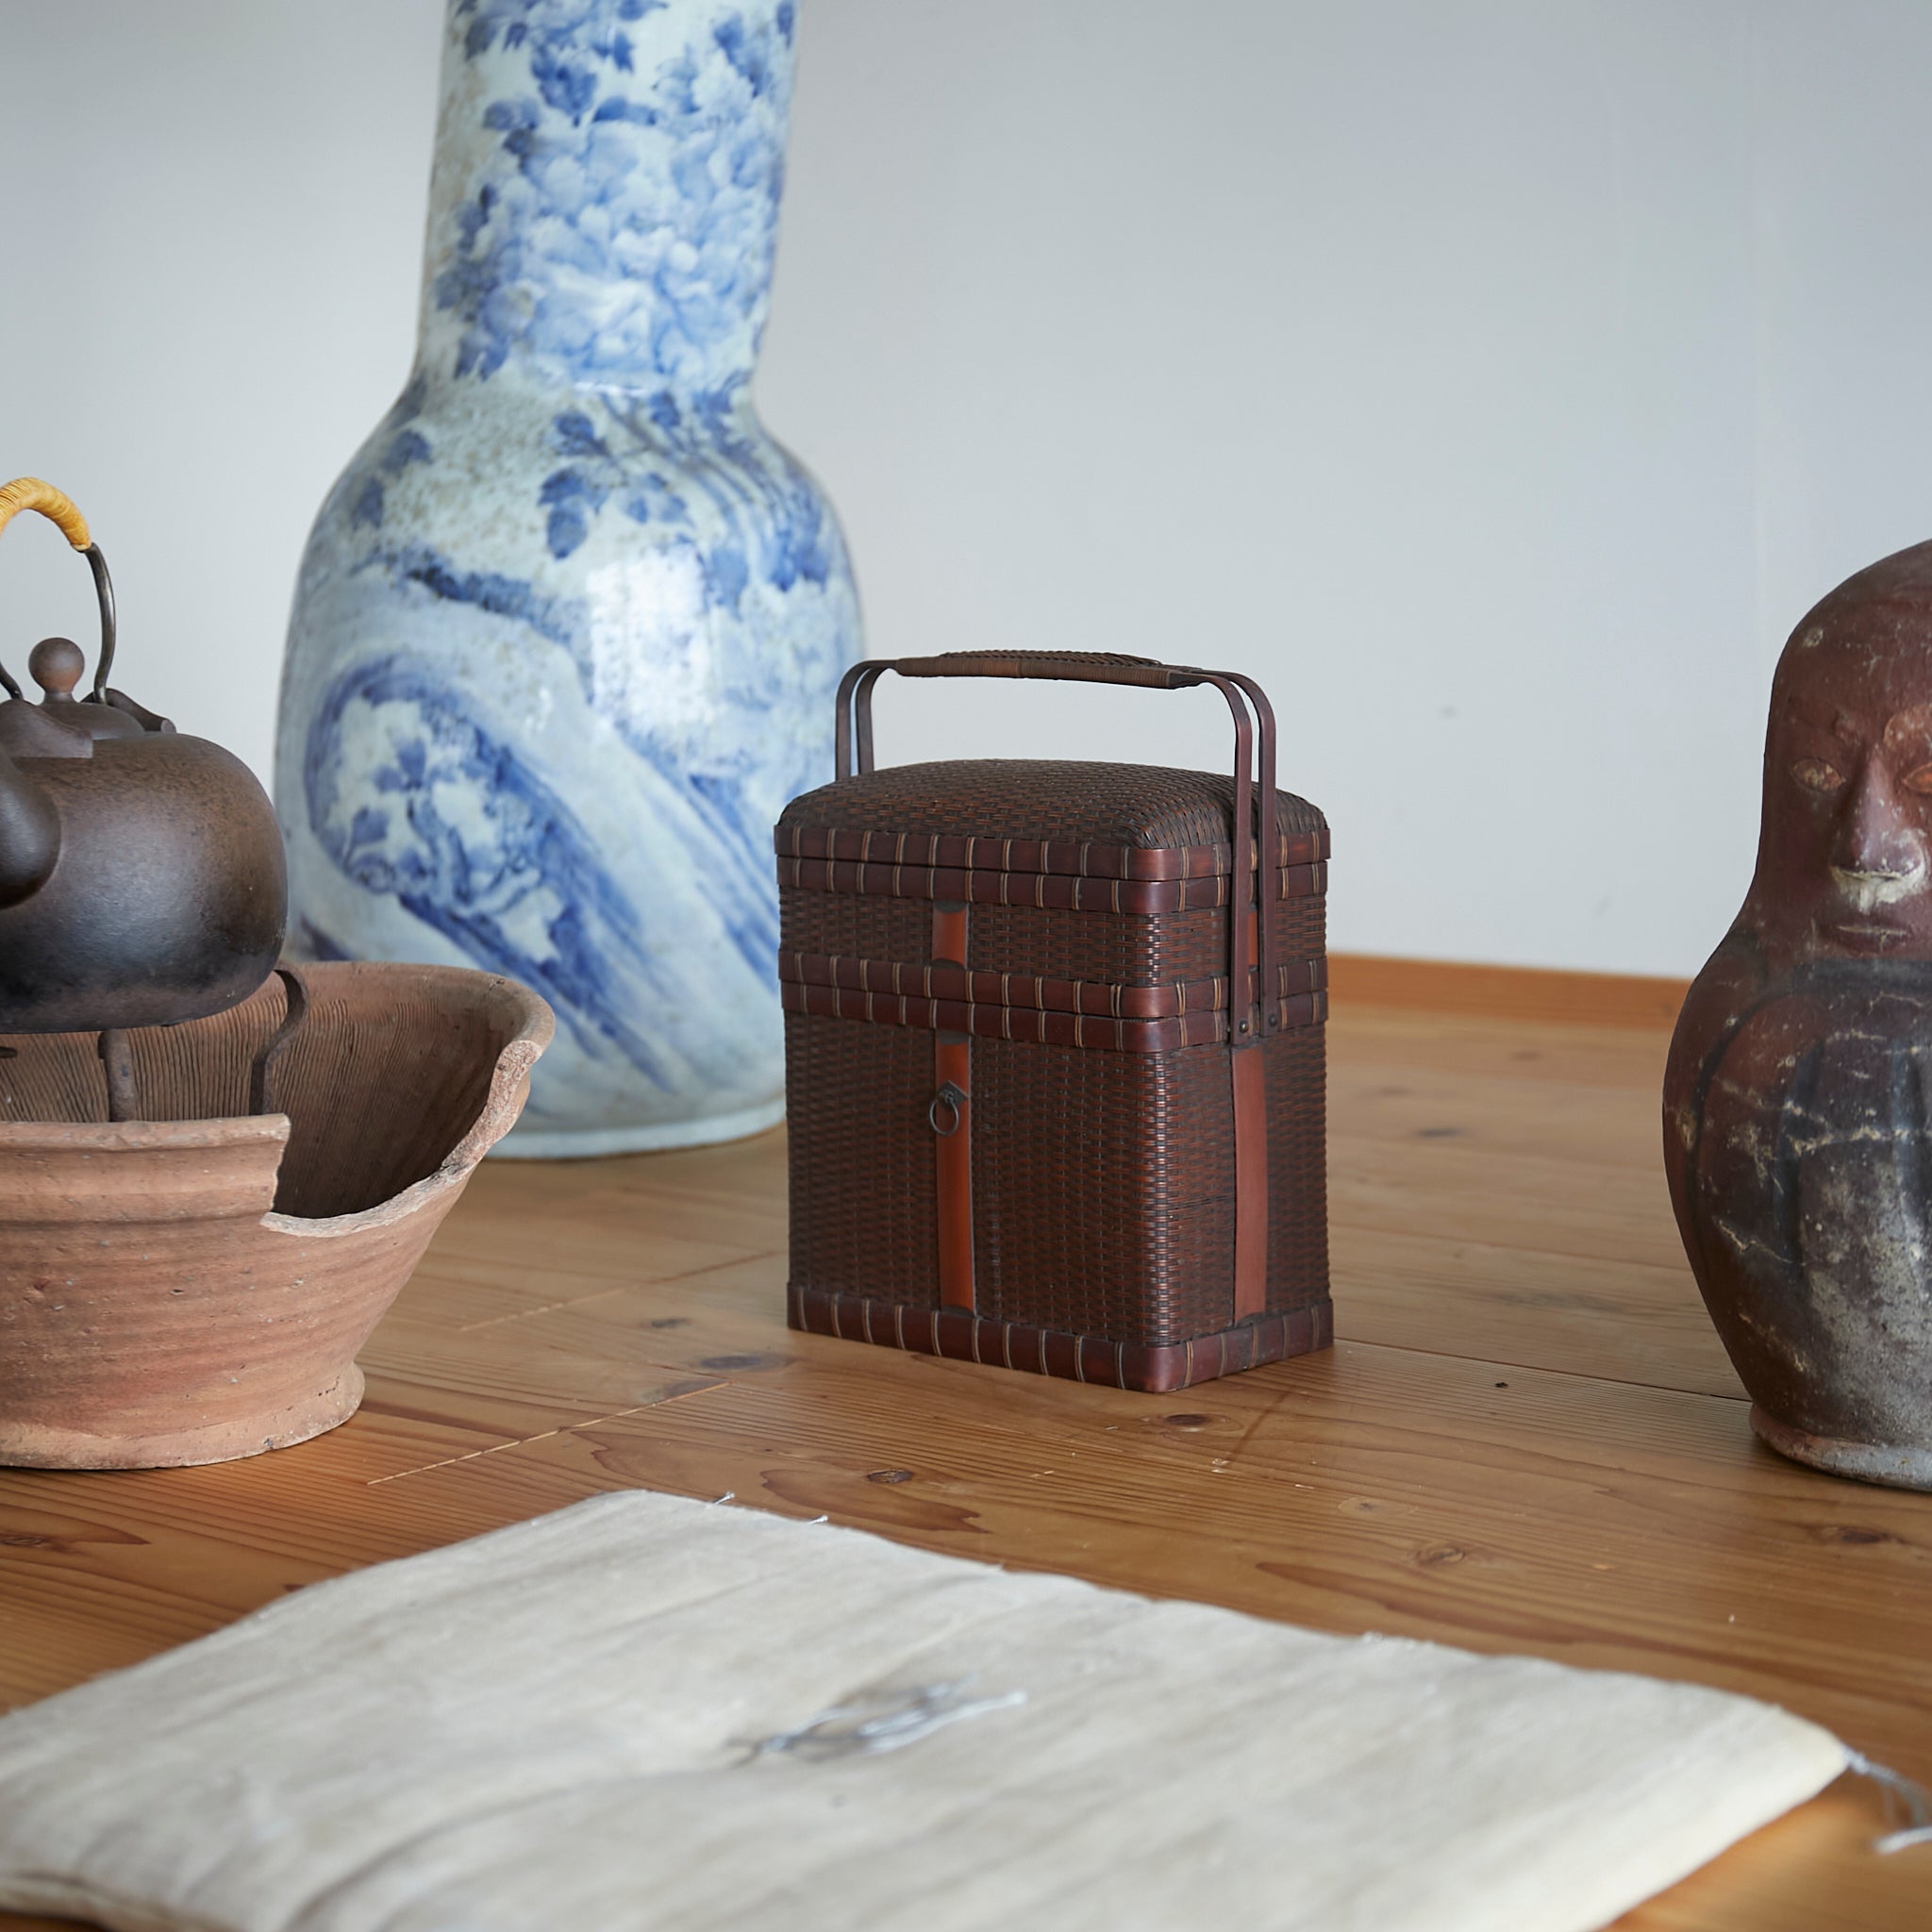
(1816, 775)
(1919, 781)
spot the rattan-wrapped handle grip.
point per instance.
(29, 492)
(1077, 666)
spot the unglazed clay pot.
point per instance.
(1798, 1097)
(194, 1287)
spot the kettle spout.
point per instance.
(29, 833)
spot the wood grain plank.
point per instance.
(1582, 1314)
(1528, 1051)
(504, 1270)
(1592, 1124)
(1447, 1192)
(1507, 992)
(522, 1382)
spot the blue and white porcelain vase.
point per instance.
(569, 626)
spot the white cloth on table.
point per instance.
(594, 1720)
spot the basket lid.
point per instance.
(1035, 815)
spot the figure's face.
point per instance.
(1844, 865)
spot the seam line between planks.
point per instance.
(623, 1288)
(545, 1434)
(1535, 1369)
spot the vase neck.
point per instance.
(605, 198)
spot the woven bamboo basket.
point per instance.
(1054, 1040)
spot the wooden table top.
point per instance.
(1525, 1439)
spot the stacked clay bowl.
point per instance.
(194, 1286)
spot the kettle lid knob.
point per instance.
(55, 664)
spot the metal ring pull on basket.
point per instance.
(953, 1099)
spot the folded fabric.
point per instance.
(650, 1712)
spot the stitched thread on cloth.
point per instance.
(1901, 1795)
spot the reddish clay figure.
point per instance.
(1798, 1099)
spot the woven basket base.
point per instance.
(1154, 1368)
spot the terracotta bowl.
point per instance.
(194, 1287)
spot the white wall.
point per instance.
(1496, 379)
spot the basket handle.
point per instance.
(1106, 667)
(31, 492)
(1077, 666)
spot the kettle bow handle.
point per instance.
(31, 492)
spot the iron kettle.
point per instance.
(142, 879)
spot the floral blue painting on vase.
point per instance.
(568, 627)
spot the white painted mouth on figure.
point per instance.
(1868, 891)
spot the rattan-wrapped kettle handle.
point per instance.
(31, 492)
